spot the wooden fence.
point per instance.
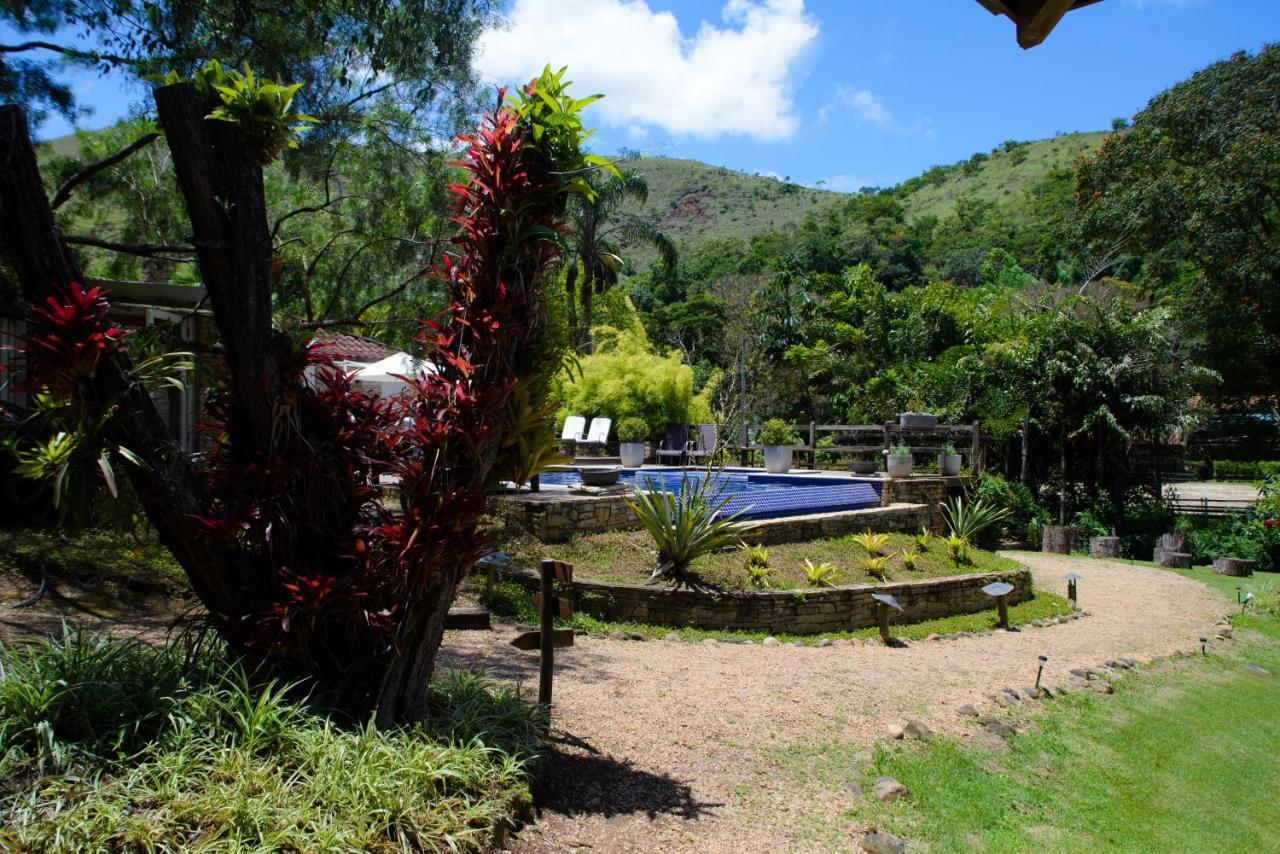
(874, 440)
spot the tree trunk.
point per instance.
(1104, 547)
(1026, 452)
(168, 486)
(585, 342)
(403, 695)
(1235, 566)
(221, 183)
(571, 300)
(1055, 538)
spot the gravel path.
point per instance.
(667, 746)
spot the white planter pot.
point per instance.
(948, 465)
(899, 465)
(777, 459)
(632, 454)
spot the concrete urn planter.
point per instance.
(632, 454)
(899, 465)
(948, 465)
(917, 419)
(777, 459)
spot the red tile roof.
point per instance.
(352, 348)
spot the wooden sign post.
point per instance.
(548, 637)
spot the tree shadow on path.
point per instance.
(576, 779)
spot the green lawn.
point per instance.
(1181, 758)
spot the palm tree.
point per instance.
(596, 228)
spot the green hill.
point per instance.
(1000, 177)
(694, 201)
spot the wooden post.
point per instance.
(976, 461)
(1003, 606)
(1071, 594)
(883, 613)
(547, 650)
(813, 446)
(489, 580)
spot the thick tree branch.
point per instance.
(89, 55)
(145, 250)
(64, 192)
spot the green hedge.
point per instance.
(1254, 470)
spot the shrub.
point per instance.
(1014, 497)
(777, 432)
(872, 544)
(820, 574)
(900, 451)
(632, 430)
(684, 526)
(877, 566)
(755, 560)
(1254, 470)
(627, 380)
(959, 548)
(909, 558)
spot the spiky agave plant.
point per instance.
(968, 520)
(684, 525)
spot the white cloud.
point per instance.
(866, 105)
(731, 79)
(868, 108)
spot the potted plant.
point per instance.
(631, 445)
(914, 418)
(864, 466)
(778, 439)
(948, 461)
(899, 461)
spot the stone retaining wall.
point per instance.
(829, 609)
(554, 517)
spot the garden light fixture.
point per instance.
(1000, 590)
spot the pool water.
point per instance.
(754, 496)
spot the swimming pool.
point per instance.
(755, 496)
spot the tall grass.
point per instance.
(106, 744)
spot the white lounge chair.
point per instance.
(598, 435)
(574, 427)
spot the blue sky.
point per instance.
(848, 93)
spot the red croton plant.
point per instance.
(304, 569)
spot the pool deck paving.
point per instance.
(675, 746)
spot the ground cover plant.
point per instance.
(1140, 770)
(627, 557)
(115, 560)
(111, 744)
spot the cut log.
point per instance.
(1173, 542)
(1172, 559)
(1056, 538)
(1236, 566)
(1104, 547)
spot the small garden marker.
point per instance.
(885, 601)
(1072, 592)
(1000, 590)
(1040, 672)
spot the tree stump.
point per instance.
(1172, 559)
(1104, 547)
(1173, 542)
(1056, 538)
(1236, 566)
